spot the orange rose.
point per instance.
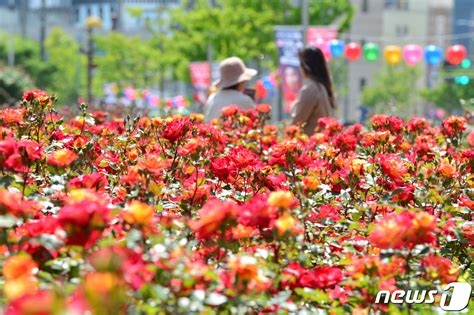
(138, 213)
(62, 157)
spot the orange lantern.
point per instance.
(392, 54)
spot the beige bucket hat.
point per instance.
(232, 71)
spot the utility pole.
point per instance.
(90, 64)
(305, 19)
(209, 53)
(92, 23)
(119, 16)
(22, 16)
(11, 43)
(42, 29)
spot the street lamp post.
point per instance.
(304, 18)
(92, 22)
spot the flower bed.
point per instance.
(172, 215)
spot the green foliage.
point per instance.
(243, 28)
(59, 73)
(394, 86)
(126, 60)
(63, 54)
(13, 82)
(339, 74)
(448, 94)
(27, 57)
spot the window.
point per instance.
(396, 4)
(101, 12)
(76, 15)
(362, 84)
(365, 6)
(89, 11)
(403, 5)
(389, 4)
(401, 30)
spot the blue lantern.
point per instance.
(433, 55)
(336, 47)
(267, 83)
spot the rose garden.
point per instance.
(144, 215)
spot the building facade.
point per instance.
(128, 16)
(396, 22)
(463, 24)
(27, 17)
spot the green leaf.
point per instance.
(312, 295)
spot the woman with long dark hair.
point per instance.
(316, 98)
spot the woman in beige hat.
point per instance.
(234, 75)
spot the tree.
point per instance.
(126, 61)
(394, 89)
(69, 65)
(244, 28)
(13, 82)
(450, 93)
(27, 58)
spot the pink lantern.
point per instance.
(456, 54)
(412, 54)
(324, 46)
(326, 51)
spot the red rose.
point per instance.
(211, 218)
(345, 142)
(176, 130)
(320, 278)
(83, 222)
(317, 278)
(393, 166)
(33, 94)
(95, 181)
(223, 167)
(263, 108)
(230, 110)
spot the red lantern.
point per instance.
(456, 54)
(260, 90)
(352, 51)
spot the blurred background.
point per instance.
(162, 56)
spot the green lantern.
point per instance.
(371, 51)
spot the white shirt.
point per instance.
(223, 98)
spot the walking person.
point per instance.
(231, 86)
(316, 98)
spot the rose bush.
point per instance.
(109, 215)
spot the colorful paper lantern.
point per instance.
(352, 51)
(371, 51)
(433, 55)
(154, 101)
(269, 84)
(336, 47)
(392, 54)
(131, 94)
(456, 54)
(412, 54)
(260, 90)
